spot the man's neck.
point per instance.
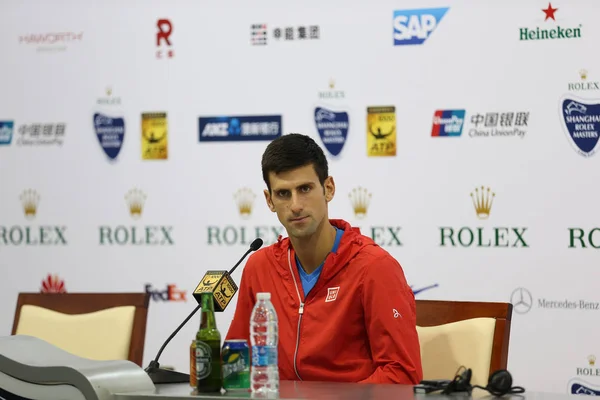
(312, 251)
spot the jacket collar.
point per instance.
(351, 243)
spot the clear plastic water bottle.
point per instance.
(264, 337)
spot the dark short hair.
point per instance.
(293, 151)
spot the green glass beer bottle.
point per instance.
(208, 349)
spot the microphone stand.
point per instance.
(159, 375)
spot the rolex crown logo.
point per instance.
(135, 200)
(591, 360)
(482, 201)
(108, 90)
(331, 84)
(360, 199)
(244, 199)
(583, 74)
(30, 199)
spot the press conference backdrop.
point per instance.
(461, 136)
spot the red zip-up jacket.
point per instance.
(357, 324)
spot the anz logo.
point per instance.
(415, 26)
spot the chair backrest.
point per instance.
(482, 328)
(90, 325)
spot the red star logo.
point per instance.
(549, 12)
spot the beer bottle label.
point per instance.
(203, 360)
(263, 356)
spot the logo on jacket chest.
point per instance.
(332, 294)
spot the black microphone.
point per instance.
(221, 284)
(153, 370)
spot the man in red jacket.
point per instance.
(345, 310)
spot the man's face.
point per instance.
(299, 200)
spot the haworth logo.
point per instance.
(498, 237)
(149, 235)
(51, 41)
(31, 235)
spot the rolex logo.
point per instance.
(592, 360)
(244, 199)
(360, 199)
(30, 200)
(482, 201)
(583, 74)
(135, 200)
(108, 90)
(331, 93)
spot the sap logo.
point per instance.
(415, 26)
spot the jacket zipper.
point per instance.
(300, 313)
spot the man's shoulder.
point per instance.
(370, 248)
(371, 253)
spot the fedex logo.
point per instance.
(171, 293)
(415, 26)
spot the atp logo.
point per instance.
(413, 27)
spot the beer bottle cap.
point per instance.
(263, 296)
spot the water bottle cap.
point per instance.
(263, 296)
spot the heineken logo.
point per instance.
(551, 31)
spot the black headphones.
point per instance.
(499, 384)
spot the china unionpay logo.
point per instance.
(6, 132)
(447, 123)
(413, 27)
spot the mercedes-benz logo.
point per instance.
(521, 300)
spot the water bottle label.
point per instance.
(263, 356)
